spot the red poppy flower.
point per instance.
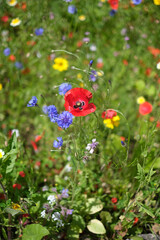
(34, 145)
(77, 102)
(145, 108)
(22, 174)
(17, 185)
(114, 200)
(135, 220)
(154, 51)
(113, 4)
(4, 19)
(109, 114)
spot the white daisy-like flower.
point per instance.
(12, 3)
(15, 22)
(51, 199)
(1, 153)
(43, 214)
(158, 66)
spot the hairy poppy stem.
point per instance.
(9, 215)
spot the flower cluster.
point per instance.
(57, 213)
(92, 146)
(111, 119)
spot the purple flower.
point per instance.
(93, 76)
(59, 143)
(126, 38)
(69, 211)
(64, 193)
(39, 31)
(65, 119)
(52, 113)
(72, 9)
(112, 12)
(18, 65)
(68, 0)
(7, 52)
(32, 102)
(64, 87)
(136, 2)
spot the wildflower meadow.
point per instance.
(80, 119)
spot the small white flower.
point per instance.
(51, 199)
(68, 168)
(1, 153)
(91, 151)
(43, 214)
(93, 48)
(56, 216)
(88, 146)
(15, 131)
(158, 66)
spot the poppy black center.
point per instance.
(79, 105)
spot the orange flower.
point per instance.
(12, 58)
(125, 62)
(154, 51)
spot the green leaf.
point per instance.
(106, 217)
(136, 238)
(95, 226)
(93, 205)
(145, 209)
(76, 227)
(13, 212)
(34, 232)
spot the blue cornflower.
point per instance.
(68, 0)
(93, 76)
(64, 87)
(72, 9)
(112, 12)
(90, 63)
(7, 52)
(39, 31)
(136, 2)
(32, 102)
(59, 143)
(64, 193)
(18, 65)
(52, 113)
(64, 120)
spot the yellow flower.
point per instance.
(112, 122)
(1, 86)
(100, 73)
(140, 100)
(103, 1)
(82, 18)
(15, 22)
(1, 153)
(81, 85)
(61, 64)
(11, 3)
(156, 2)
(79, 76)
(16, 206)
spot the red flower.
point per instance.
(135, 220)
(109, 114)
(158, 124)
(114, 200)
(113, 4)
(4, 19)
(145, 108)
(22, 174)
(17, 185)
(34, 145)
(77, 102)
(12, 58)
